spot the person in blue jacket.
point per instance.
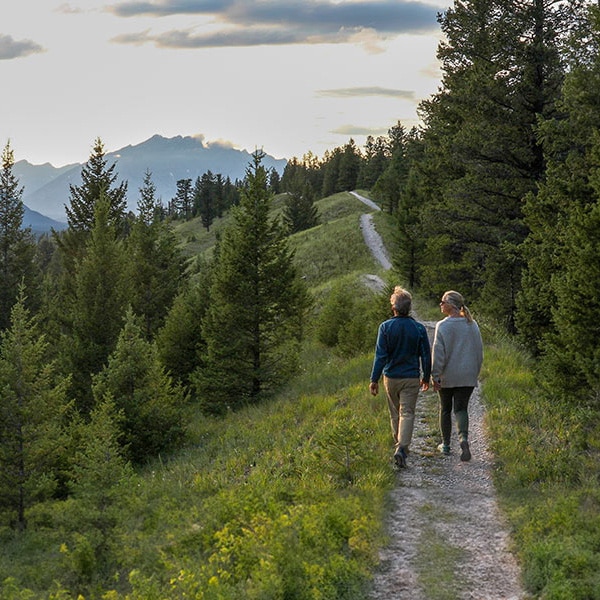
(403, 356)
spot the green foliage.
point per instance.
(348, 317)
(98, 308)
(179, 342)
(155, 266)
(152, 407)
(547, 471)
(17, 245)
(98, 181)
(257, 302)
(480, 163)
(32, 413)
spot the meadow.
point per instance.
(287, 499)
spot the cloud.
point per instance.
(277, 22)
(351, 130)
(361, 92)
(11, 48)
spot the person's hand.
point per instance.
(374, 388)
(437, 386)
(424, 385)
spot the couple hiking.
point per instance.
(407, 362)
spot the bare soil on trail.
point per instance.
(447, 537)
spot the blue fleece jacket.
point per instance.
(402, 350)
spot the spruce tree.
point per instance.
(152, 406)
(17, 244)
(502, 73)
(155, 268)
(205, 201)
(98, 181)
(98, 307)
(32, 417)
(179, 341)
(257, 302)
(300, 212)
(559, 301)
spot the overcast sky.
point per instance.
(287, 76)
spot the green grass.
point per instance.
(288, 499)
(547, 474)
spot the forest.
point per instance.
(124, 340)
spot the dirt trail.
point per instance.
(447, 536)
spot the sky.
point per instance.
(287, 76)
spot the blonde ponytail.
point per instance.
(458, 302)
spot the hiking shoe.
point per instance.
(444, 449)
(400, 458)
(466, 453)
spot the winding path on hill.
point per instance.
(447, 535)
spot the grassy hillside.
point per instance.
(287, 499)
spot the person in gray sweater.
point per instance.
(457, 357)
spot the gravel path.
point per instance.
(443, 505)
(448, 539)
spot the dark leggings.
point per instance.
(456, 398)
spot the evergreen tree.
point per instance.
(376, 156)
(569, 144)
(17, 245)
(349, 167)
(96, 314)
(98, 185)
(179, 342)
(97, 182)
(331, 172)
(152, 406)
(391, 183)
(257, 302)
(205, 199)
(559, 301)
(101, 480)
(502, 73)
(32, 414)
(181, 205)
(156, 264)
(299, 211)
(274, 181)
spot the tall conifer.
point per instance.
(17, 245)
(32, 412)
(257, 303)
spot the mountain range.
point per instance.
(46, 188)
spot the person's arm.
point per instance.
(438, 358)
(379, 361)
(425, 357)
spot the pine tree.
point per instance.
(569, 144)
(299, 211)
(257, 302)
(155, 268)
(391, 183)
(152, 406)
(32, 414)
(181, 205)
(559, 301)
(502, 73)
(205, 201)
(349, 167)
(97, 311)
(179, 341)
(97, 182)
(17, 245)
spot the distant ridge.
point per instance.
(46, 188)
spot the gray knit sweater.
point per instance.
(457, 352)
